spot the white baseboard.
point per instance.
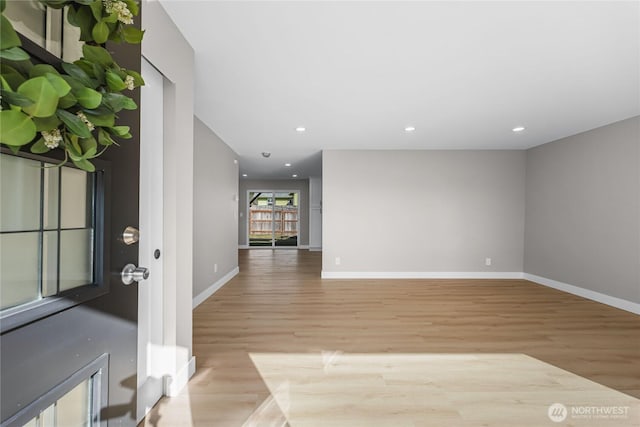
(620, 303)
(315, 248)
(421, 275)
(202, 296)
(173, 385)
(243, 246)
(303, 246)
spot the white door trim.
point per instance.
(151, 355)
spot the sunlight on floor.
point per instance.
(338, 389)
(176, 412)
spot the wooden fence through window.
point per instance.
(261, 217)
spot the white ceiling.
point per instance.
(356, 73)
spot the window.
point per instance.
(71, 410)
(273, 218)
(50, 233)
(46, 27)
(75, 402)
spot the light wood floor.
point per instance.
(276, 337)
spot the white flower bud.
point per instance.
(86, 121)
(52, 138)
(129, 82)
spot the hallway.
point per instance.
(279, 344)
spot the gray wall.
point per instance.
(423, 211)
(583, 210)
(301, 185)
(215, 208)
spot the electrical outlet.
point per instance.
(487, 261)
(337, 260)
(215, 268)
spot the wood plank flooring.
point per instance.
(270, 331)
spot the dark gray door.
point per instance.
(48, 349)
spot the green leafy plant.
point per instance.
(74, 108)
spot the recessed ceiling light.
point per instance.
(287, 164)
(294, 176)
(518, 129)
(265, 154)
(409, 129)
(244, 174)
(301, 129)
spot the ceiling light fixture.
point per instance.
(301, 129)
(244, 174)
(265, 154)
(287, 165)
(409, 129)
(518, 129)
(294, 176)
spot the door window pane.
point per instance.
(19, 268)
(286, 219)
(260, 218)
(19, 194)
(47, 234)
(29, 18)
(45, 27)
(49, 263)
(51, 197)
(48, 417)
(75, 209)
(76, 256)
(71, 46)
(73, 409)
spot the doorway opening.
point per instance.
(273, 218)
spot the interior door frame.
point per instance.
(273, 218)
(151, 313)
(170, 53)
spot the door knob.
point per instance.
(131, 273)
